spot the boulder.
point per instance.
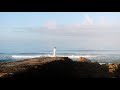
(112, 67)
(82, 59)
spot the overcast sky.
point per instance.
(65, 30)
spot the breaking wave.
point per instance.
(93, 57)
(35, 56)
(97, 58)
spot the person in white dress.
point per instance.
(54, 52)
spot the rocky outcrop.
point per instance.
(82, 59)
(112, 67)
(113, 70)
(57, 68)
(6, 69)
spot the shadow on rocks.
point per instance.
(63, 70)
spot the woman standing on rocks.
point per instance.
(54, 52)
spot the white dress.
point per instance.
(54, 52)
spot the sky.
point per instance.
(65, 30)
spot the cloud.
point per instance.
(87, 28)
(88, 20)
(50, 25)
(103, 21)
(86, 34)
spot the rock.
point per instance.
(82, 59)
(112, 67)
(2, 74)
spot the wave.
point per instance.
(48, 55)
(24, 57)
(75, 56)
(96, 58)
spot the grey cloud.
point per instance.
(84, 36)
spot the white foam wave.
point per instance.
(35, 56)
(86, 56)
(102, 63)
(24, 57)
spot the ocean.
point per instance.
(101, 56)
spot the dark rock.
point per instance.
(56, 68)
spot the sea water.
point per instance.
(101, 56)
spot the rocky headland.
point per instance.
(57, 68)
